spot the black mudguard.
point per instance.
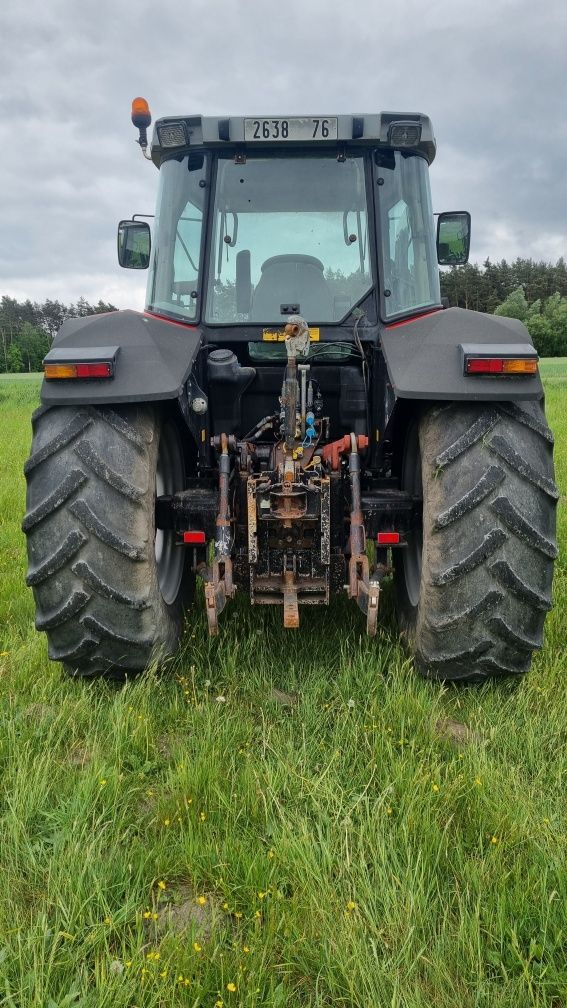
(425, 360)
(153, 362)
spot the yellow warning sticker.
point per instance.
(273, 336)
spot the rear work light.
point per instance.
(103, 370)
(519, 359)
(194, 538)
(404, 134)
(173, 134)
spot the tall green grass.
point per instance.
(285, 814)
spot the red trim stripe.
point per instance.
(414, 318)
(163, 318)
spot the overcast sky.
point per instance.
(492, 74)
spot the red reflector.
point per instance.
(484, 365)
(388, 538)
(94, 370)
(194, 538)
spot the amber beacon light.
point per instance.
(141, 117)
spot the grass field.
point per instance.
(280, 819)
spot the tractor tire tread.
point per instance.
(486, 484)
(82, 510)
(90, 529)
(76, 426)
(488, 541)
(90, 456)
(504, 449)
(70, 607)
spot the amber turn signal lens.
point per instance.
(60, 370)
(519, 366)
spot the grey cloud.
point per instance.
(490, 75)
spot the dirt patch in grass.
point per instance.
(182, 908)
(456, 732)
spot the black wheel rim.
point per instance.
(170, 558)
(412, 483)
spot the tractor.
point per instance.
(296, 413)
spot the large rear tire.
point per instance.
(109, 590)
(474, 584)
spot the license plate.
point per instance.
(305, 128)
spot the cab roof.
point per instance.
(410, 131)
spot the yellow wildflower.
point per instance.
(167, 822)
(147, 914)
(102, 782)
(219, 1004)
(202, 816)
(197, 947)
(161, 884)
(225, 906)
(107, 920)
(245, 948)
(201, 900)
(271, 854)
(238, 915)
(351, 905)
(231, 987)
(494, 840)
(434, 787)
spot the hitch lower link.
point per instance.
(219, 586)
(362, 587)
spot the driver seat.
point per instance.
(292, 279)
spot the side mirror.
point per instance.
(134, 244)
(453, 238)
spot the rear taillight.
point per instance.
(94, 370)
(500, 365)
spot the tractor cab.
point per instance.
(259, 219)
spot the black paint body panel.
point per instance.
(424, 358)
(154, 361)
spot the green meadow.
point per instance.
(278, 818)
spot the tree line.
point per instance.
(27, 329)
(534, 292)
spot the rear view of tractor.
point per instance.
(295, 413)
